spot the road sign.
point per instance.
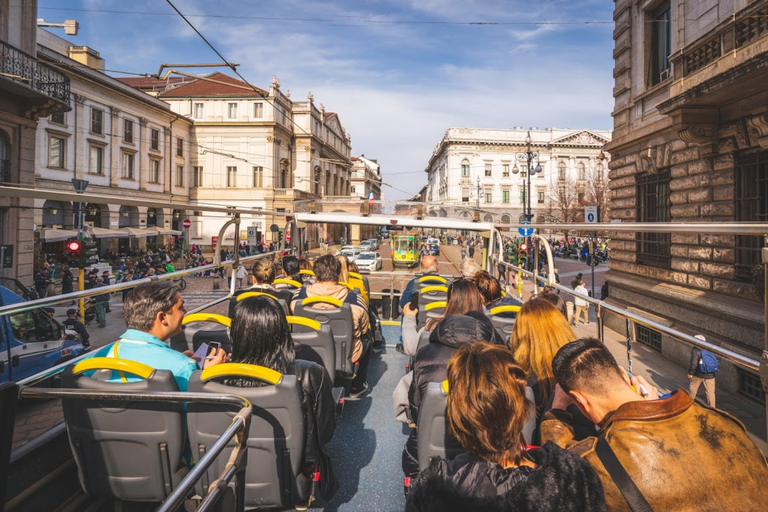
(274, 228)
(525, 231)
(591, 214)
(187, 223)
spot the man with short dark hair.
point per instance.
(73, 324)
(680, 456)
(41, 282)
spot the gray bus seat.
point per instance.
(244, 294)
(276, 440)
(316, 344)
(199, 328)
(339, 319)
(433, 437)
(432, 293)
(430, 310)
(129, 451)
(423, 342)
(503, 319)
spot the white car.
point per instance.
(349, 253)
(369, 261)
(374, 243)
(366, 246)
(356, 249)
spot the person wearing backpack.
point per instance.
(702, 368)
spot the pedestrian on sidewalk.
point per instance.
(581, 305)
(701, 370)
(100, 303)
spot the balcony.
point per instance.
(46, 88)
(291, 194)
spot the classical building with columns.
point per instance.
(120, 140)
(480, 168)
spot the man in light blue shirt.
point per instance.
(153, 313)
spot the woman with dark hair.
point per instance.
(490, 289)
(486, 412)
(260, 335)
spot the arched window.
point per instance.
(599, 168)
(465, 168)
(561, 171)
(582, 171)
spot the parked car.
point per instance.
(349, 252)
(31, 341)
(366, 246)
(369, 261)
(374, 244)
(385, 235)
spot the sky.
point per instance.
(397, 72)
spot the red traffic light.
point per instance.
(523, 247)
(74, 246)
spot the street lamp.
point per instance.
(528, 157)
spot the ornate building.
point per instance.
(690, 144)
(480, 168)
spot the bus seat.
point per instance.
(433, 293)
(315, 343)
(339, 318)
(423, 342)
(129, 451)
(429, 310)
(244, 294)
(199, 328)
(433, 437)
(286, 283)
(276, 439)
(503, 319)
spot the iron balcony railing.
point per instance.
(23, 68)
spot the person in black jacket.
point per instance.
(499, 472)
(697, 377)
(261, 336)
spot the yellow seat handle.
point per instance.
(115, 364)
(504, 309)
(349, 286)
(444, 386)
(302, 320)
(248, 295)
(207, 317)
(322, 299)
(355, 274)
(289, 282)
(426, 279)
(306, 272)
(503, 293)
(435, 305)
(436, 288)
(241, 370)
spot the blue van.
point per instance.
(31, 341)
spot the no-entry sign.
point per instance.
(186, 223)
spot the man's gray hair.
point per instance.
(468, 268)
(432, 266)
(142, 305)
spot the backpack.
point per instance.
(708, 362)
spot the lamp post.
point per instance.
(527, 157)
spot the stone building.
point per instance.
(364, 181)
(480, 168)
(690, 144)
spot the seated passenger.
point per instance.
(356, 283)
(261, 336)
(263, 272)
(486, 412)
(429, 267)
(680, 455)
(327, 271)
(290, 266)
(490, 288)
(555, 299)
(469, 267)
(305, 264)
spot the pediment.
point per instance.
(334, 125)
(581, 138)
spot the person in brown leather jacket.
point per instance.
(681, 456)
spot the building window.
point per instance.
(750, 386)
(128, 131)
(231, 177)
(465, 169)
(154, 139)
(661, 42)
(541, 196)
(561, 171)
(465, 195)
(488, 169)
(198, 111)
(600, 172)
(179, 146)
(258, 177)
(751, 177)
(128, 159)
(96, 163)
(648, 337)
(488, 196)
(232, 110)
(522, 196)
(197, 176)
(57, 117)
(154, 171)
(258, 110)
(505, 171)
(179, 175)
(97, 117)
(56, 152)
(505, 196)
(582, 171)
(653, 205)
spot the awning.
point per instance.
(164, 231)
(57, 235)
(106, 233)
(140, 232)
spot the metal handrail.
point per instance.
(238, 427)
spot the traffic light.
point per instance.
(522, 255)
(73, 251)
(91, 254)
(279, 237)
(512, 252)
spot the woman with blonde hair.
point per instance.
(264, 272)
(355, 283)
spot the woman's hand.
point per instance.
(408, 310)
(217, 358)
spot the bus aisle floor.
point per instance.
(368, 441)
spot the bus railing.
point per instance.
(237, 429)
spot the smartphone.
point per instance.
(213, 348)
(415, 300)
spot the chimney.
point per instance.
(86, 56)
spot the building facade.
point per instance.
(690, 144)
(484, 169)
(365, 183)
(29, 90)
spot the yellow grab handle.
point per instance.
(439, 279)
(351, 288)
(247, 295)
(322, 299)
(111, 363)
(504, 309)
(435, 305)
(444, 385)
(301, 320)
(207, 317)
(306, 272)
(289, 282)
(355, 274)
(436, 288)
(241, 370)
